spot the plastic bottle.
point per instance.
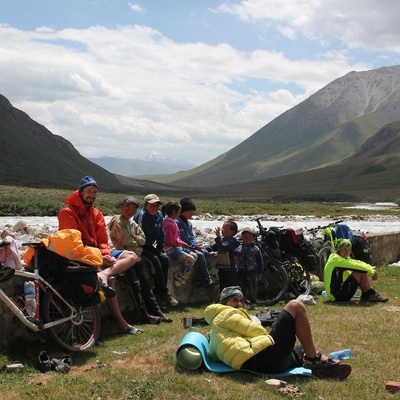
(323, 293)
(341, 354)
(30, 298)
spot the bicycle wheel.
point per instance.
(323, 256)
(274, 284)
(76, 334)
(299, 278)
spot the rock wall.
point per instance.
(385, 248)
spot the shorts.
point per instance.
(116, 253)
(347, 289)
(284, 354)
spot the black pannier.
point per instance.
(294, 244)
(80, 283)
(361, 247)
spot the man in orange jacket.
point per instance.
(81, 214)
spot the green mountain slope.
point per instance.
(30, 151)
(370, 173)
(321, 131)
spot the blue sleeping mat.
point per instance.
(200, 342)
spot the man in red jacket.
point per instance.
(80, 214)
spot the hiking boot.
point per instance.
(170, 300)
(373, 297)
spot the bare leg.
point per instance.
(302, 325)
(113, 305)
(126, 261)
(363, 281)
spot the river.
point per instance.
(371, 224)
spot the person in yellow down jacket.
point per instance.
(240, 341)
(343, 275)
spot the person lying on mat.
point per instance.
(241, 342)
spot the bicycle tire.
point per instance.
(323, 256)
(274, 284)
(299, 278)
(74, 335)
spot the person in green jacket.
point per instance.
(240, 341)
(344, 275)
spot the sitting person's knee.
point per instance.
(295, 306)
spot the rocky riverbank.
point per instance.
(34, 228)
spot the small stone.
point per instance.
(392, 386)
(276, 383)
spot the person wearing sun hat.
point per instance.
(81, 214)
(127, 236)
(150, 219)
(243, 343)
(187, 235)
(343, 275)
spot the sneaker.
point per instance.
(44, 361)
(165, 318)
(152, 319)
(373, 296)
(376, 297)
(338, 372)
(170, 300)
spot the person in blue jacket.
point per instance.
(187, 235)
(224, 244)
(250, 266)
(150, 219)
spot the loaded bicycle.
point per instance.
(325, 244)
(283, 271)
(70, 326)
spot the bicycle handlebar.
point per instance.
(319, 227)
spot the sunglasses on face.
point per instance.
(237, 299)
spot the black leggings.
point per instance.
(284, 354)
(160, 263)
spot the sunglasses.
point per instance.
(237, 299)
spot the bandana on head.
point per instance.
(343, 243)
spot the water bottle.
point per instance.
(30, 298)
(323, 293)
(341, 354)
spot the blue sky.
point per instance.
(188, 79)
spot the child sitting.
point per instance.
(174, 246)
(187, 235)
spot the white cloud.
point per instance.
(137, 8)
(129, 90)
(358, 23)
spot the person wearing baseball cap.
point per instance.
(127, 237)
(81, 214)
(242, 343)
(150, 219)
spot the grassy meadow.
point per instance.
(24, 201)
(144, 367)
(126, 367)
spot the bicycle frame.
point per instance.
(35, 324)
